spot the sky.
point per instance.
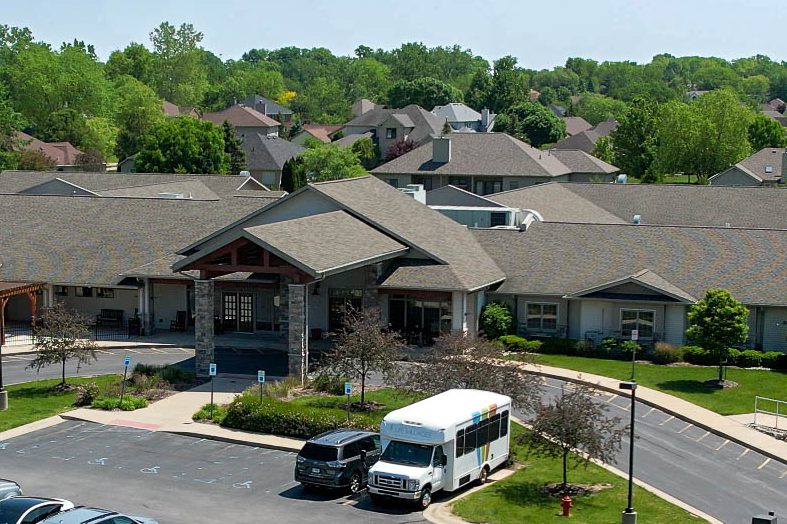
(540, 34)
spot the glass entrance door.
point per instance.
(246, 312)
(237, 312)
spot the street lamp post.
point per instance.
(629, 515)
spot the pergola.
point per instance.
(13, 289)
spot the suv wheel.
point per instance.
(355, 482)
(426, 498)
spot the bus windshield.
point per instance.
(407, 454)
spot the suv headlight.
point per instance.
(413, 485)
(336, 464)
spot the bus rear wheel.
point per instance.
(483, 476)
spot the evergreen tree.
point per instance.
(233, 146)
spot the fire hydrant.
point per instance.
(566, 503)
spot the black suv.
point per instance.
(338, 459)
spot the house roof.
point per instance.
(459, 263)
(241, 116)
(606, 127)
(343, 241)
(171, 109)
(662, 204)
(268, 153)
(487, 154)
(576, 124)
(271, 107)
(92, 240)
(401, 119)
(62, 153)
(586, 140)
(456, 112)
(581, 162)
(454, 196)
(349, 140)
(423, 122)
(552, 259)
(646, 278)
(759, 162)
(321, 132)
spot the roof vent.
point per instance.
(637, 220)
(622, 179)
(769, 169)
(174, 196)
(244, 173)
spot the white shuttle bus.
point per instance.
(441, 443)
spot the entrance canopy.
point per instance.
(12, 289)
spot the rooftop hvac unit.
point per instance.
(622, 179)
(173, 196)
(637, 219)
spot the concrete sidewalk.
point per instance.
(731, 428)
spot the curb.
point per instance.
(30, 427)
(231, 440)
(667, 410)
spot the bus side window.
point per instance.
(470, 438)
(494, 428)
(460, 443)
(504, 424)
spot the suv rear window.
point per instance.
(317, 452)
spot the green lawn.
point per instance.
(518, 498)
(686, 382)
(33, 401)
(668, 179)
(389, 398)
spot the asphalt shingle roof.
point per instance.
(424, 122)
(679, 204)
(576, 124)
(268, 153)
(456, 112)
(241, 116)
(759, 161)
(559, 258)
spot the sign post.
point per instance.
(212, 373)
(126, 364)
(634, 338)
(348, 390)
(261, 381)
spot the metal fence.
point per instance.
(769, 411)
(22, 334)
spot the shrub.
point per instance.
(86, 393)
(219, 412)
(329, 384)
(496, 320)
(171, 374)
(562, 346)
(770, 359)
(751, 358)
(698, 356)
(281, 418)
(628, 348)
(733, 356)
(279, 388)
(130, 403)
(608, 346)
(515, 343)
(665, 353)
(781, 360)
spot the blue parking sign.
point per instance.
(212, 370)
(127, 361)
(348, 388)
(261, 377)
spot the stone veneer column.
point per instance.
(297, 328)
(371, 299)
(203, 328)
(284, 306)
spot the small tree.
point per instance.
(459, 361)
(718, 322)
(573, 421)
(65, 335)
(400, 147)
(496, 320)
(363, 346)
(91, 161)
(233, 147)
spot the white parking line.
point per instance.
(722, 445)
(684, 429)
(611, 398)
(745, 451)
(649, 412)
(764, 463)
(670, 418)
(705, 435)
(133, 351)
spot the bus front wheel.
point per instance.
(426, 498)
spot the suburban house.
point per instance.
(349, 243)
(246, 120)
(389, 126)
(170, 109)
(766, 167)
(96, 241)
(63, 154)
(576, 125)
(270, 109)
(586, 140)
(485, 163)
(266, 156)
(321, 132)
(463, 118)
(363, 105)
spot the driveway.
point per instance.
(175, 479)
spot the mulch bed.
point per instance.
(557, 489)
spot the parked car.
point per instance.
(338, 459)
(85, 515)
(30, 510)
(9, 488)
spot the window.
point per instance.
(105, 292)
(393, 182)
(461, 182)
(83, 292)
(487, 187)
(370, 444)
(513, 184)
(320, 453)
(498, 219)
(390, 133)
(481, 434)
(639, 319)
(351, 450)
(425, 181)
(61, 291)
(460, 443)
(504, 424)
(541, 316)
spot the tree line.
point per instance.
(66, 93)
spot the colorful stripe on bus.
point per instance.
(482, 453)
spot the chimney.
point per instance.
(415, 191)
(263, 108)
(485, 117)
(441, 149)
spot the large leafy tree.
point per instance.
(425, 92)
(634, 140)
(329, 162)
(703, 137)
(533, 123)
(716, 323)
(180, 74)
(508, 85)
(136, 61)
(138, 110)
(322, 100)
(65, 125)
(183, 145)
(766, 132)
(10, 123)
(597, 108)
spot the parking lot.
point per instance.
(175, 479)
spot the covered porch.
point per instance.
(19, 311)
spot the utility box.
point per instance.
(770, 518)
